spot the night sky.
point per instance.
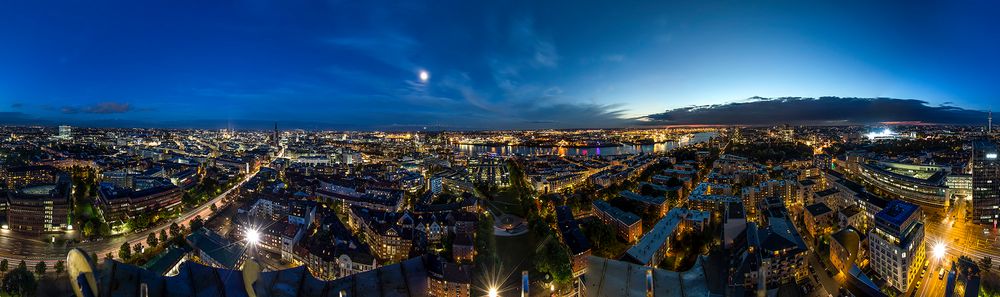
(532, 64)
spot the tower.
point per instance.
(989, 127)
(275, 137)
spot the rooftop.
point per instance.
(897, 212)
(407, 278)
(647, 246)
(827, 192)
(818, 209)
(220, 249)
(626, 217)
(734, 210)
(848, 238)
(606, 277)
(643, 198)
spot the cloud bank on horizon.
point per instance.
(757, 111)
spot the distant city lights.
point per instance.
(884, 134)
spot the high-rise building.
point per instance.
(985, 183)
(65, 132)
(896, 244)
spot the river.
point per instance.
(505, 150)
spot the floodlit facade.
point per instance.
(896, 244)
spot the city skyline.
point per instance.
(480, 66)
(499, 148)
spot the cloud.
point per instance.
(16, 105)
(816, 111)
(392, 48)
(99, 108)
(528, 42)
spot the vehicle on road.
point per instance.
(941, 273)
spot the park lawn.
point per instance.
(508, 201)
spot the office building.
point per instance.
(117, 205)
(896, 244)
(40, 207)
(921, 184)
(985, 183)
(65, 132)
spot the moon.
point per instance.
(424, 75)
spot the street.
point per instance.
(15, 246)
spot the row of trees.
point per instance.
(22, 282)
(486, 247)
(155, 241)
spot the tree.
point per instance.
(554, 260)
(986, 263)
(40, 268)
(197, 223)
(163, 236)
(104, 230)
(88, 229)
(4, 266)
(138, 248)
(213, 208)
(151, 239)
(60, 267)
(188, 199)
(140, 222)
(175, 230)
(125, 252)
(20, 282)
(22, 265)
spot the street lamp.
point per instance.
(492, 292)
(939, 250)
(253, 236)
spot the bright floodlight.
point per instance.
(492, 292)
(939, 250)
(253, 236)
(424, 75)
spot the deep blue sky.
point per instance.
(532, 64)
